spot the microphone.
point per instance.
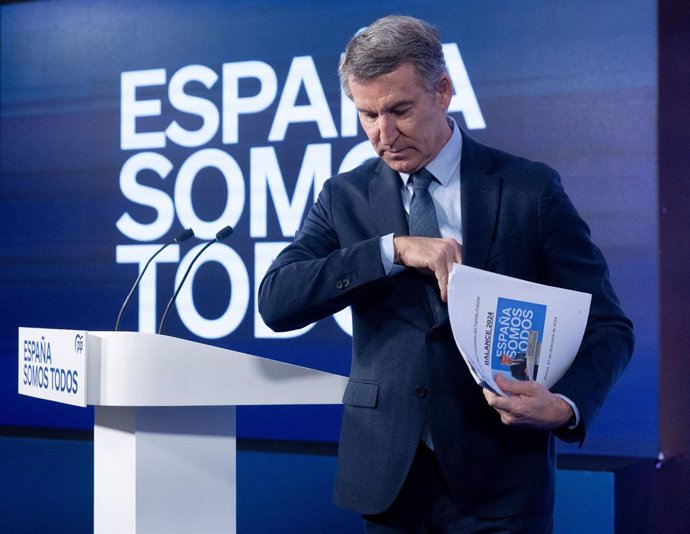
(220, 236)
(182, 236)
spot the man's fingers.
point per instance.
(442, 278)
(490, 396)
(528, 404)
(429, 254)
(516, 387)
(513, 387)
(443, 286)
(458, 254)
(453, 255)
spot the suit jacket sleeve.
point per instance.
(328, 273)
(573, 261)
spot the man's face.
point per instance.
(405, 123)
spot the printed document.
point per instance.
(508, 326)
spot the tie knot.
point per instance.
(422, 179)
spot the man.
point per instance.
(423, 448)
(517, 365)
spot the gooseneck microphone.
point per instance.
(222, 234)
(182, 236)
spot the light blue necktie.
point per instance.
(423, 221)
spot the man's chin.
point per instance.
(401, 165)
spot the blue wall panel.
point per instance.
(571, 83)
(47, 486)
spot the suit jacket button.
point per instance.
(420, 392)
(342, 284)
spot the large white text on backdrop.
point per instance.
(252, 189)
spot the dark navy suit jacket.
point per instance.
(406, 370)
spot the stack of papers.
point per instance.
(521, 330)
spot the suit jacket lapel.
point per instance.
(385, 202)
(480, 193)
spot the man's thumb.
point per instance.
(507, 385)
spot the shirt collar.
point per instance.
(444, 165)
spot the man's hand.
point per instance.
(432, 255)
(529, 405)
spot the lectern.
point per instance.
(164, 436)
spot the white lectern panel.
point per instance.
(137, 369)
(164, 436)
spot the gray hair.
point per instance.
(387, 44)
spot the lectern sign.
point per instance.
(52, 364)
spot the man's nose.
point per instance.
(388, 128)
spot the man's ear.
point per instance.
(444, 90)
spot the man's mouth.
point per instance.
(395, 152)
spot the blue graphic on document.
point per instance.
(518, 338)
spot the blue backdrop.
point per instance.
(124, 122)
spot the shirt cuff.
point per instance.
(388, 255)
(575, 411)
